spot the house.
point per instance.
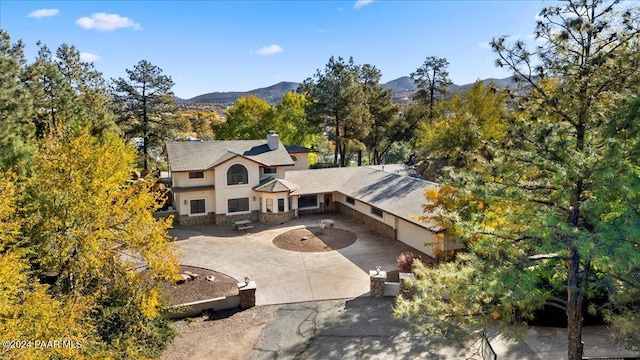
(225, 181)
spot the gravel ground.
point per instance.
(226, 334)
(201, 288)
(311, 239)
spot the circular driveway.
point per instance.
(284, 276)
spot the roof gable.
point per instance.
(275, 185)
(203, 155)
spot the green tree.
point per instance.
(550, 218)
(250, 118)
(68, 94)
(337, 103)
(432, 81)
(468, 127)
(15, 105)
(54, 99)
(386, 127)
(90, 89)
(292, 123)
(146, 107)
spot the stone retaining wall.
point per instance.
(276, 218)
(376, 225)
(228, 219)
(196, 220)
(181, 311)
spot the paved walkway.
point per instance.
(284, 276)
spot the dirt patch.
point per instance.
(226, 334)
(200, 288)
(312, 239)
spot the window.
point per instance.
(196, 174)
(308, 201)
(294, 158)
(197, 206)
(351, 200)
(280, 205)
(237, 174)
(238, 205)
(290, 204)
(375, 211)
(269, 205)
(270, 170)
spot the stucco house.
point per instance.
(225, 181)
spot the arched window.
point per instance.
(237, 174)
(294, 158)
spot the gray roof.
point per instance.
(203, 155)
(274, 185)
(400, 169)
(402, 196)
(298, 149)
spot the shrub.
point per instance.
(405, 261)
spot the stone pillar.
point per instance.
(247, 294)
(406, 290)
(378, 278)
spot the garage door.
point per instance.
(416, 236)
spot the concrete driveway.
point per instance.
(284, 276)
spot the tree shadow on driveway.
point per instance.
(362, 328)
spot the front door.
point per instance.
(328, 202)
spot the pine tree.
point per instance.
(550, 218)
(146, 107)
(432, 81)
(386, 127)
(15, 105)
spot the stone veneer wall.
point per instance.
(228, 219)
(377, 226)
(196, 220)
(276, 218)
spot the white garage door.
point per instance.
(416, 236)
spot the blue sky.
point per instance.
(210, 46)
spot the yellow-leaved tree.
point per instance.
(28, 313)
(91, 231)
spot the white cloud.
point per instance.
(89, 57)
(484, 45)
(39, 14)
(107, 22)
(361, 3)
(268, 50)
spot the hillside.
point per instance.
(273, 94)
(402, 88)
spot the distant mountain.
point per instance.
(501, 83)
(402, 89)
(272, 94)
